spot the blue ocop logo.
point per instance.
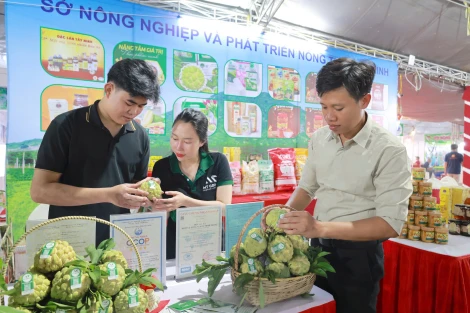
(140, 241)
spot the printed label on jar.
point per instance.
(414, 234)
(411, 218)
(418, 204)
(429, 235)
(437, 222)
(423, 220)
(415, 188)
(442, 238)
(427, 191)
(404, 232)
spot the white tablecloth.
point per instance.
(190, 290)
(456, 247)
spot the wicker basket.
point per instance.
(48, 222)
(285, 288)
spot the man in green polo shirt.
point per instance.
(91, 158)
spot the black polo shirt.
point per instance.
(214, 171)
(82, 149)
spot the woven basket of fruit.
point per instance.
(60, 281)
(268, 266)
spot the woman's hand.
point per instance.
(178, 200)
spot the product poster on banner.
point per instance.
(258, 90)
(148, 231)
(313, 121)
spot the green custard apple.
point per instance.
(192, 77)
(299, 242)
(280, 249)
(255, 242)
(273, 217)
(281, 270)
(70, 284)
(112, 283)
(30, 289)
(251, 266)
(53, 256)
(115, 256)
(20, 308)
(153, 188)
(241, 251)
(131, 300)
(299, 265)
(106, 305)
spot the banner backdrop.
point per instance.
(257, 90)
(436, 148)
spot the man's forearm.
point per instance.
(374, 228)
(65, 195)
(299, 200)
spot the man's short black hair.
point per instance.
(454, 146)
(136, 77)
(356, 77)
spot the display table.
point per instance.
(270, 199)
(424, 277)
(322, 302)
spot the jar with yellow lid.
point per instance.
(425, 189)
(410, 219)
(415, 187)
(418, 173)
(434, 219)
(421, 218)
(416, 203)
(414, 232)
(404, 232)
(427, 234)
(429, 203)
(441, 235)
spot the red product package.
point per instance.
(284, 168)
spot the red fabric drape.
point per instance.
(419, 281)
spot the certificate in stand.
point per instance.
(198, 237)
(148, 231)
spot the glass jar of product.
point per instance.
(404, 232)
(425, 189)
(459, 210)
(465, 228)
(418, 173)
(427, 234)
(434, 218)
(410, 219)
(454, 227)
(429, 203)
(421, 218)
(414, 232)
(441, 235)
(415, 187)
(416, 203)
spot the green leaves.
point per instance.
(145, 278)
(214, 280)
(214, 272)
(53, 306)
(319, 265)
(107, 244)
(307, 295)
(241, 281)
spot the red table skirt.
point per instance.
(270, 199)
(418, 281)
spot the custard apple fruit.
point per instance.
(255, 242)
(106, 306)
(131, 300)
(114, 256)
(153, 188)
(280, 249)
(241, 252)
(273, 217)
(281, 270)
(112, 283)
(299, 242)
(70, 284)
(20, 308)
(299, 265)
(53, 256)
(251, 266)
(30, 289)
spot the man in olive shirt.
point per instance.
(91, 158)
(361, 176)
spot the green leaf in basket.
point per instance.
(326, 267)
(242, 280)
(221, 259)
(107, 244)
(95, 276)
(320, 272)
(321, 259)
(243, 298)
(307, 295)
(214, 280)
(261, 294)
(270, 275)
(298, 252)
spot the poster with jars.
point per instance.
(154, 55)
(72, 55)
(152, 117)
(206, 106)
(283, 83)
(311, 95)
(379, 100)
(242, 119)
(283, 122)
(243, 78)
(195, 72)
(58, 99)
(313, 120)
